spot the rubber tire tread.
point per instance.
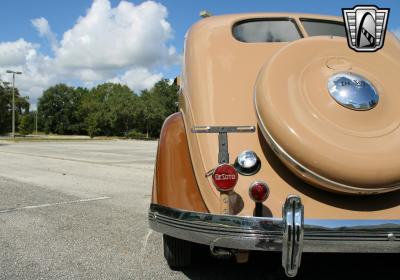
(177, 252)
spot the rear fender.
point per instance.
(174, 183)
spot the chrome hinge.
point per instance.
(293, 234)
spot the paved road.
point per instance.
(78, 210)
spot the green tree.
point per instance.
(78, 116)
(59, 110)
(157, 104)
(26, 124)
(107, 109)
(110, 109)
(21, 107)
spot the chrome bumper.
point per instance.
(291, 235)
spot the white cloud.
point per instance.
(123, 36)
(43, 27)
(124, 44)
(36, 70)
(16, 53)
(138, 78)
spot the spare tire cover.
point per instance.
(329, 145)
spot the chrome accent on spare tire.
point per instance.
(353, 91)
(310, 175)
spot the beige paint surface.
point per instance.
(218, 83)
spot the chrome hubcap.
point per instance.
(353, 91)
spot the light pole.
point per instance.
(13, 99)
(36, 120)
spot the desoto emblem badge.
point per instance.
(366, 27)
(225, 177)
(353, 91)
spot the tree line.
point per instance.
(21, 107)
(108, 109)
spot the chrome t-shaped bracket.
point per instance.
(223, 154)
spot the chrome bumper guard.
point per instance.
(292, 235)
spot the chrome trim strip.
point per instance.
(308, 173)
(291, 235)
(263, 233)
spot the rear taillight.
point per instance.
(225, 177)
(259, 191)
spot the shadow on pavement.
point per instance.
(264, 265)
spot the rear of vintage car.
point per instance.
(286, 140)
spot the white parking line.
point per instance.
(144, 246)
(52, 204)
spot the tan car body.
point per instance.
(217, 89)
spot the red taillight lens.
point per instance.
(225, 177)
(259, 191)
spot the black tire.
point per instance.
(177, 252)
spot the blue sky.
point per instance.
(53, 42)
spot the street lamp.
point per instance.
(13, 99)
(36, 121)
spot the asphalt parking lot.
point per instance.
(78, 210)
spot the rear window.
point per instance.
(322, 28)
(266, 30)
